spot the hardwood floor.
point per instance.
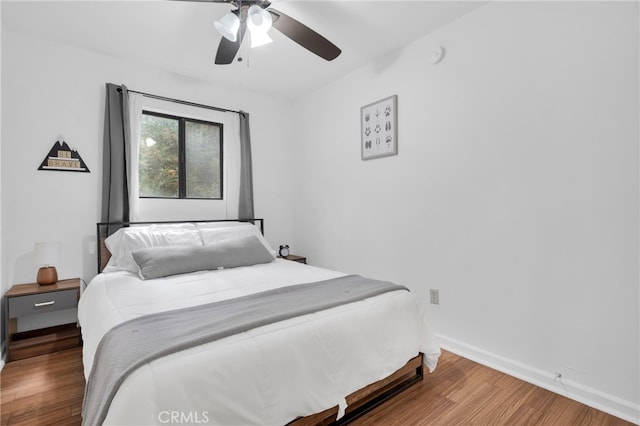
(462, 392)
(43, 390)
(48, 390)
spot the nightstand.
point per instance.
(296, 258)
(36, 301)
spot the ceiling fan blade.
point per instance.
(227, 50)
(304, 36)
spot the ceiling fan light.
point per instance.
(228, 26)
(258, 19)
(260, 38)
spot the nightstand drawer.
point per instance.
(40, 303)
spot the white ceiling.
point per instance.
(179, 36)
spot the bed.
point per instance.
(316, 367)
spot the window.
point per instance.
(179, 157)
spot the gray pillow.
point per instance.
(156, 262)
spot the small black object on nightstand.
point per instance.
(284, 251)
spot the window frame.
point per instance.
(182, 156)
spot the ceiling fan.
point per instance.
(258, 17)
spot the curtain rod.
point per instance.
(179, 101)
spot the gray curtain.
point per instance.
(116, 144)
(245, 209)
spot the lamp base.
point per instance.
(47, 275)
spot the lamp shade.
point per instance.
(259, 21)
(259, 38)
(47, 253)
(228, 26)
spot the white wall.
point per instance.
(1, 316)
(515, 190)
(49, 90)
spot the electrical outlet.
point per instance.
(434, 296)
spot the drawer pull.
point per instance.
(41, 304)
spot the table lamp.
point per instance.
(47, 254)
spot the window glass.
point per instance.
(179, 157)
(202, 160)
(158, 170)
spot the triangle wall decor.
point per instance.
(63, 158)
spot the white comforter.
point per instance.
(269, 375)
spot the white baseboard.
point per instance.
(602, 401)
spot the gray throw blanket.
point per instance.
(139, 341)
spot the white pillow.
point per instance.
(214, 232)
(126, 240)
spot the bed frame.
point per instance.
(358, 403)
(366, 399)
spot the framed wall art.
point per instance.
(379, 128)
